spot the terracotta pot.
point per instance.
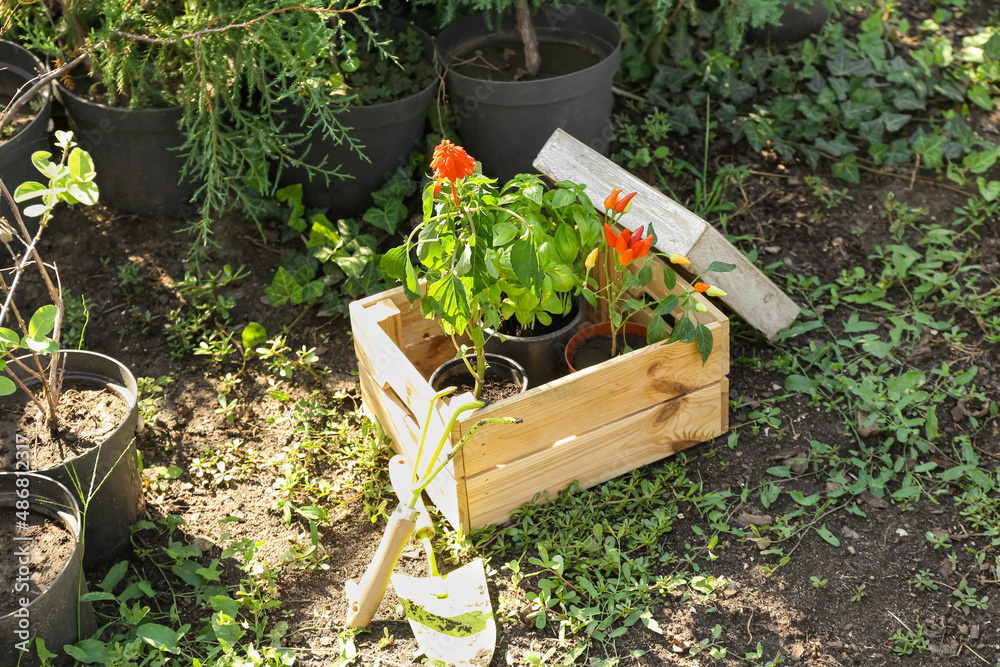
(594, 330)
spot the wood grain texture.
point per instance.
(599, 455)
(750, 293)
(590, 398)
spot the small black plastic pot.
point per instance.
(109, 473)
(17, 67)
(53, 613)
(390, 134)
(135, 155)
(541, 356)
(504, 124)
(454, 371)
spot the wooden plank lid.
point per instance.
(751, 294)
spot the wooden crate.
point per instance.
(589, 426)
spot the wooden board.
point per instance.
(751, 294)
(601, 454)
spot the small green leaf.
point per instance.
(823, 532)
(81, 166)
(847, 170)
(254, 335)
(43, 321)
(7, 387)
(160, 636)
(980, 161)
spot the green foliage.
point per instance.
(241, 71)
(858, 101)
(340, 263)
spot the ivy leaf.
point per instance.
(979, 95)
(386, 218)
(980, 161)
(847, 170)
(283, 289)
(894, 121)
(930, 148)
(990, 190)
(838, 147)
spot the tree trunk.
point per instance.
(532, 59)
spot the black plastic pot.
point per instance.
(135, 155)
(505, 123)
(17, 67)
(541, 356)
(794, 25)
(390, 133)
(110, 471)
(454, 371)
(52, 614)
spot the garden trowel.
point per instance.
(451, 616)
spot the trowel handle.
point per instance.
(364, 601)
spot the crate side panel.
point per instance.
(599, 455)
(579, 402)
(387, 363)
(400, 425)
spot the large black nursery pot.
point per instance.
(108, 473)
(504, 124)
(52, 613)
(455, 372)
(542, 356)
(135, 154)
(390, 134)
(18, 66)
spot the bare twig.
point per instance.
(40, 82)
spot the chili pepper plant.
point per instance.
(491, 254)
(621, 282)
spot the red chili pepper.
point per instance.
(623, 202)
(701, 287)
(636, 235)
(609, 235)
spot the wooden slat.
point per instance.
(600, 454)
(585, 400)
(751, 294)
(400, 425)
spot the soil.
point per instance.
(502, 59)
(597, 350)
(50, 548)
(783, 612)
(86, 418)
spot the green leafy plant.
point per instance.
(459, 249)
(340, 262)
(238, 69)
(71, 181)
(622, 249)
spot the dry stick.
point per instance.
(20, 99)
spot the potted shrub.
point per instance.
(43, 605)
(458, 247)
(504, 112)
(227, 67)
(381, 85)
(99, 462)
(621, 279)
(24, 121)
(535, 328)
(37, 513)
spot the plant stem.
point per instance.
(532, 58)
